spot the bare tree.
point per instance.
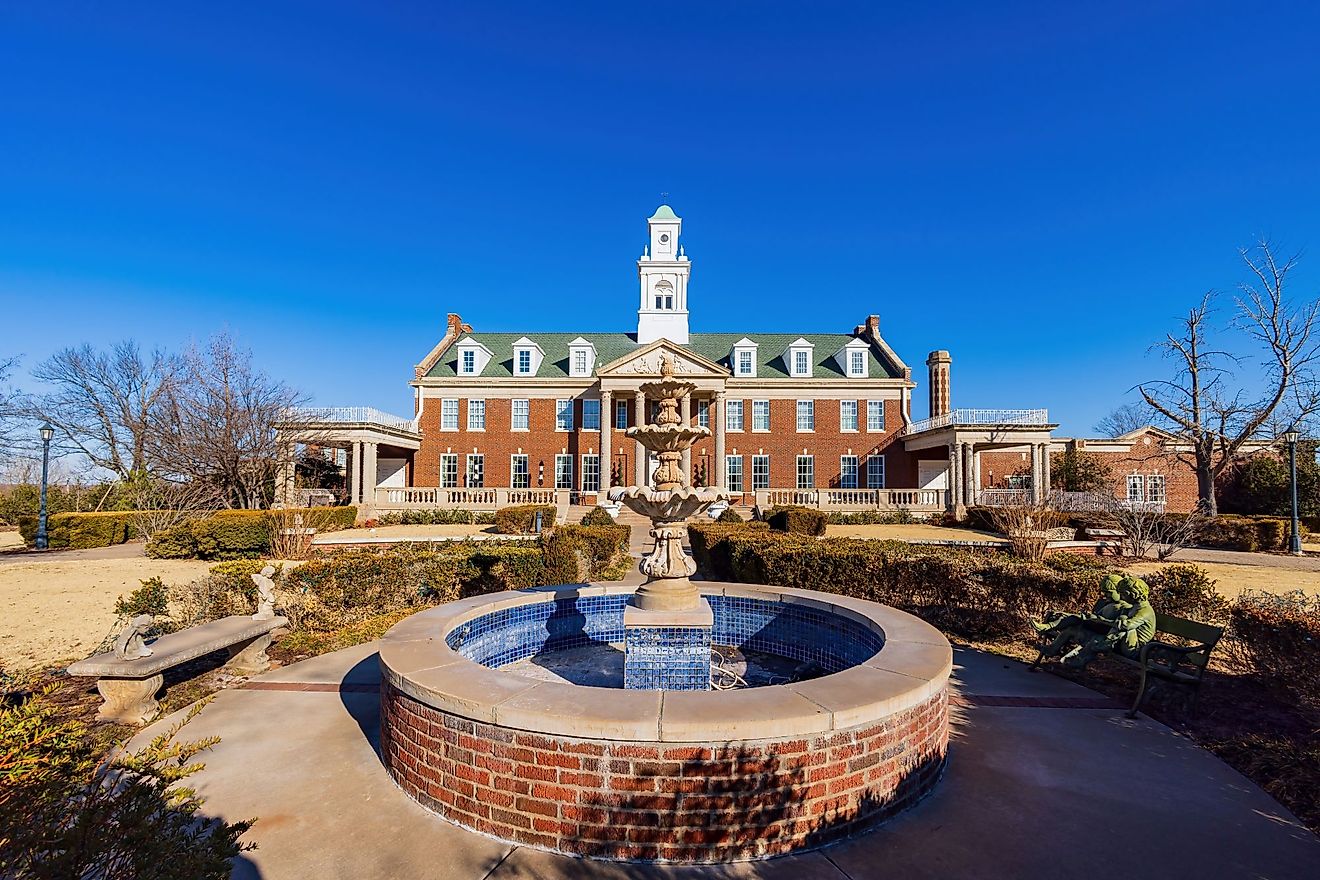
(103, 403)
(1202, 404)
(1125, 419)
(1028, 526)
(1148, 528)
(10, 442)
(158, 504)
(217, 423)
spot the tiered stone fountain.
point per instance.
(667, 626)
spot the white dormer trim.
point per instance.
(735, 362)
(481, 356)
(536, 356)
(844, 357)
(791, 358)
(589, 350)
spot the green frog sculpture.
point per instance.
(1121, 620)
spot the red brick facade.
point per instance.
(678, 802)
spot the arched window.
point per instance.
(664, 295)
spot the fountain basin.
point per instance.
(673, 776)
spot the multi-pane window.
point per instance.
(806, 415)
(580, 362)
(1155, 488)
(521, 415)
(591, 473)
(806, 472)
(744, 363)
(801, 363)
(591, 415)
(563, 415)
(733, 473)
(760, 415)
(476, 415)
(847, 471)
(760, 472)
(448, 470)
(733, 415)
(449, 414)
(1136, 488)
(621, 414)
(520, 475)
(703, 413)
(875, 472)
(875, 415)
(476, 471)
(524, 362)
(469, 361)
(847, 415)
(563, 472)
(856, 363)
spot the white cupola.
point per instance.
(663, 272)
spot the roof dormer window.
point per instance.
(853, 359)
(527, 356)
(799, 358)
(743, 358)
(472, 357)
(581, 357)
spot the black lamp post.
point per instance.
(1290, 437)
(47, 432)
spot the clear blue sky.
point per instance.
(1039, 188)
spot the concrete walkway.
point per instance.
(1046, 779)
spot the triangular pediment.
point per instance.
(645, 361)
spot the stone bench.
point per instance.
(128, 687)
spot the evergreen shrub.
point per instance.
(521, 519)
(796, 520)
(597, 516)
(80, 531)
(574, 554)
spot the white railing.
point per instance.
(1005, 497)
(433, 498)
(355, 415)
(973, 417)
(841, 500)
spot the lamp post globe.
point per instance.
(1295, 538)
(47, 433)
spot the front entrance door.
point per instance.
(932, 475)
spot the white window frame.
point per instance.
(703, 413)
(760, 472)
(563, 470)
(590, 414)
(1136, 488)
(849, 465)
(1154, 495)
(875, 471)
(591, 472)
(801, 362)
(448, 470)
(519, 368)
(525, 417)
(733, 415)
(526, 475)
(733, 474)
(806, 472)
(449, 414)
(468, 361)
(806, 415)
(479, 460)
(620, 414)
(476, 414)
(848, 416)
(564, 414)
(875, 416)
(746, 362)
(581, 362)
(761, 415)
(857, 363)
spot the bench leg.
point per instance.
(1141, 694)
(129, 700)
(249, 658)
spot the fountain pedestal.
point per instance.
(667, 650)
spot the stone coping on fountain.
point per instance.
(913, 666)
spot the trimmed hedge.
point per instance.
(237, 534)
(729, 515)
(520, 519)
(80, 531)
(1279, 637)
(796, 520)
(437, 517)
(597, 516)
(574, 554)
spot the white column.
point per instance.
(1036, 472)
(969, 487)
(685, 413)
(639, 451)
(955, 481)
(606, 430)
(1045, 469)
(369, 474)
(718, 478)
(354, 466)
(976, 474)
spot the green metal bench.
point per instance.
(1165, 661)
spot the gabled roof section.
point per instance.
(645, 361)
(525, 342)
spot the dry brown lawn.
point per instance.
(57, 610)
(1233, 580)
(9, 539)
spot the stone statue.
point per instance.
(131, 644)
(1122, 620)
(1108, 606)
(265, 593)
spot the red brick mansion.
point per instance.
(822, 419)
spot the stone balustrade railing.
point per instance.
(973, 417)
(433, 498)
(844, 500)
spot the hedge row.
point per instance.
(574, 554)
(80, 531)
(521, 519)
(437, 517)
(238, 534)
(797, 520)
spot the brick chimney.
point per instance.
(939, 362)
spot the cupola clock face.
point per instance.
(664, 238)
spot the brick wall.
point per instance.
(657, 801)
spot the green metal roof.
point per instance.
(612, 346)
(664, 212)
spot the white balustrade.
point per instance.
(853, 500)
(974, 417)
(353, 415)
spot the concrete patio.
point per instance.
(1045, 778)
